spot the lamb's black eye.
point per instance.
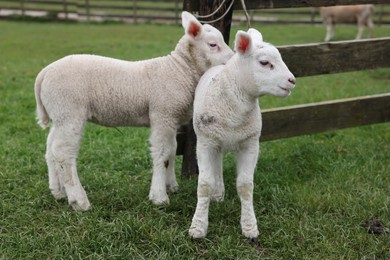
(212, 45)
(264, 62)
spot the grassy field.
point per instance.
(313, 194)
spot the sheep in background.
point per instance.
(158, 93)
(360, 14)
(227, 117)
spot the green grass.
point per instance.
(312, 193)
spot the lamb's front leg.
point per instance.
(246, 163)
(163, 149)
(361, 27)
(329, 29)
(208, 160)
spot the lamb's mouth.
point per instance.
(285, 89)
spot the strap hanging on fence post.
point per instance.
(219, 18)
(248, 20)
(211, 14)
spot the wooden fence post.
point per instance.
(87, 9)
(313, 13)
(176, 11)
(135, 11)
(65, 9)
(190, 165)
(22, 7)
(382, 9)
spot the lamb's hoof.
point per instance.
(251, 234)
(173, 188)
(197, 233)
(58, 194)
(255, 242)
(77, 206)
(159, 200)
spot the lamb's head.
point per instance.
(262, 66)
(203, 44)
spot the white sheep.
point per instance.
(158, 93)
(227, 117)
(360, 14)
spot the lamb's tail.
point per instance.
(42, 116)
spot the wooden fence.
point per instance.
(160, 10)
(98, 10)
(308, 60)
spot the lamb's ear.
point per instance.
(191, 25)
(256, 35)
(243, 43)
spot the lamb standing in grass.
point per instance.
(227, 118)
(157, 93)
(360, 14)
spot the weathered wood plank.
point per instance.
(321, 117)
(190, 5)
(334, 57)
(325, 116)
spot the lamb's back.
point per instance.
(108, 91)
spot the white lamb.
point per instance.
(157, 93)
(360, 14)
(227, 117)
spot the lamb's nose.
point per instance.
(291, 80)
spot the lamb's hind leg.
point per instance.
(163, 149)
(62, 149)
(56, 184)
(246, 163)
(170, 178)
(370, 26)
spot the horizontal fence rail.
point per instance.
(335, 57)
(123, 10)
(319, 117)
(325, 116)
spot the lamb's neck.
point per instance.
(240, 82)
(184, 59)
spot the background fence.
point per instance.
(157, 11)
